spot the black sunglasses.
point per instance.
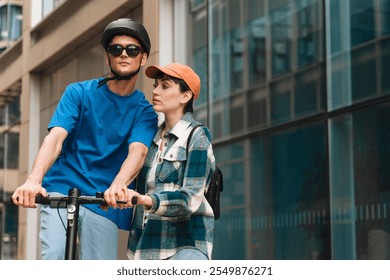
(131, 50)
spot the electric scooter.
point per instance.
(72, 202)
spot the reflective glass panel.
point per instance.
(360, 162)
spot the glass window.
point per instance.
(257, 108)
(1, 224)
(217, 119)
(320, 182)
(362, 21)
(10, 27)
(49, 5)
(196, 3)
(358, 51)
(309, 31)
(236, 113)
(281, 28)
(281, 101)
(384, 11)
(310, 91)
(257, 50)
(289, 195)
(256, 31)
(200, 55)
(361, 159)
(236, 59)
(3, 23)
(220, 55)
(384, 62)
(15, 22)
(283, 202)
(2, 115)
(9, 164)
(14, 111)
(364, 72)
(199, 49)
(12, 140)
(230, 231)
(2, 152)
(8, 247)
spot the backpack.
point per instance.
(216, 183)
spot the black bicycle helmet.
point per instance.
(126, 26)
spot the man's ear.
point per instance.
(144, 58)
(106, 58)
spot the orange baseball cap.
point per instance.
(179, 71)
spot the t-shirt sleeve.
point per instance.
(68, 110)
(145, 127)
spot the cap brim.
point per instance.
(153, 70)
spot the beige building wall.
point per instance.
(63, 48)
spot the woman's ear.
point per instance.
(187, 95)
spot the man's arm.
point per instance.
(128, 172)
(47, 155)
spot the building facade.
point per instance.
(295, 93)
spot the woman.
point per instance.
(173, 219)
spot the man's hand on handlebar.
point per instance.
(111, 196)
(114, 193)
(25, 195)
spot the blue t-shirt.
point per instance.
(101, 126)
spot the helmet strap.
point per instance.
(126, 77)
(119, 77)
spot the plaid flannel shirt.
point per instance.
(180, 216)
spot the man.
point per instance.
(98, 138)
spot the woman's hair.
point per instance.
(183, 88)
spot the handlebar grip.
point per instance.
(42, 200)
(101, 195)
(134, 200)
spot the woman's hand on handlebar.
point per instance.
(133, 198)
(136, 198)
(25, 194)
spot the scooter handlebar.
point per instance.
(62, 201)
